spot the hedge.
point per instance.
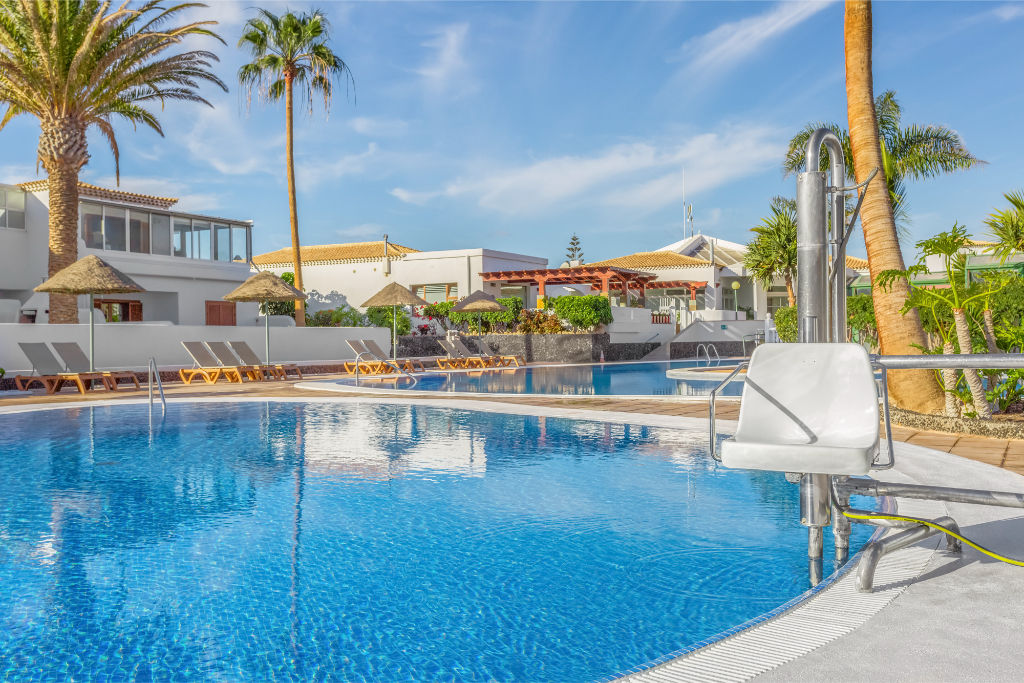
(785, 323)
(581, 312)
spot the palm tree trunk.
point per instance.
(963, 336)
(897, 333)
(293, 211)
(789, 290)
(63, 151)
(949, 383)
(990, 331)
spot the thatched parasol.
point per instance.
(479, 302)
(263, 287)
(394, 295)
(90, 275)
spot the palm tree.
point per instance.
(74, 64)
(772, 253)
(1008, 227)
(290, 50)
(915, 152)
(897, 333)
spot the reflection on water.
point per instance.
(299, 541)
(612, 379)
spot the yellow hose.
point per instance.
(939, 527)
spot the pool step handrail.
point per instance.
(386, 361)
(154, 373)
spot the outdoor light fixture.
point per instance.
(736, 295)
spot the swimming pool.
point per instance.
(298, 541)
(592, 379)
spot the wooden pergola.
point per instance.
(693, 287)
(601, 278)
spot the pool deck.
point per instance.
(935, 617)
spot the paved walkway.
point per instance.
(1005, 453)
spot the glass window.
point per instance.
(12, 209)
(138, 232)
(161, 230)
(114, 238)
(201, 240)
(92, 226)
(437, 293)
(222, 242)
(239, 242)
(183, 237)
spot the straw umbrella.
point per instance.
(264, 287)
(394, 295)
(479, 302)
(90, 275)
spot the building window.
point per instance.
(161, 227)
(201, 240)
(138, 232)
(518, 291)
(120, 310)
(239, 243)
(92, 226)
(183, 237)
(12, 209)
(437, 293)
(114, 238)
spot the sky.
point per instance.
(513, 125)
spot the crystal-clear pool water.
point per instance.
(305, 541)
(599, 379)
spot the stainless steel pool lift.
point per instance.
(821, 313)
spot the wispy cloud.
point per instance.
(12, 174)
(730, 44)
(227, 142)
(447, 69)
(1009, 12)
(320, 169)
(378, 127)
(365, 231)
(643, 176)
(188, 198)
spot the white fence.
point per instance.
(131, 345)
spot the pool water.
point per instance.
(598, 379)
(300, 541)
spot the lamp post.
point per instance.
(736, 296)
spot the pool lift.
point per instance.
(811, 409)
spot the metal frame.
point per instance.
(388, 361)
(154, 372)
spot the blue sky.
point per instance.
(512, 125)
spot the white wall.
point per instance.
(733, 330)
(130, 345)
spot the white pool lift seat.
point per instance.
(810, 408)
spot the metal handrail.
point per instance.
(711, 408)
(697, 355)
(153, 371)
(718, 358)
(387, 361)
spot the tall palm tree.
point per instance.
(897, 333)
(914, 152)
(290, 50)
(772, 252)
(74, 64)
(1008, 227)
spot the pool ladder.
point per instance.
(154, 373)
(708, 348)
(392, 363)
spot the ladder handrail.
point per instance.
(388, 361)
(152, 372)
(718, 359)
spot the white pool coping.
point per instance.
(836, 634)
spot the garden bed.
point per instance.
(1001, 426)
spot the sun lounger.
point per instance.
(249, 357)
(207, 366)
(76, 360)
(506, 359)
(51, 373)
(409, 363)
(227, 358)
(458, 359)
(489, 360)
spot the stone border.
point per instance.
(999, 429)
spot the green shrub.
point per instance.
(582, 312)
(506, 319)
(785, 323)
(381, 316)
(539, 322)
(439, 312)
(281, 307)
(860, 314)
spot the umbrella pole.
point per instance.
(92, 338)
(394, 332)
(266, 323)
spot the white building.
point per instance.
(185, 262)
(336, 274)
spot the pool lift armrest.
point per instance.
(711, 408)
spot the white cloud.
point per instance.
(222, 138)
(640, 176)
(727, 45)
(365, 231)
(310, 173)
(1009, 12)
(378, 127)
(447, 70)
(13, 174)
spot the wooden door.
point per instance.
(220, 312)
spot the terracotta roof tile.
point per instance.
(654, 259)
(354, 251)
(856, 263)
(87, 190)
